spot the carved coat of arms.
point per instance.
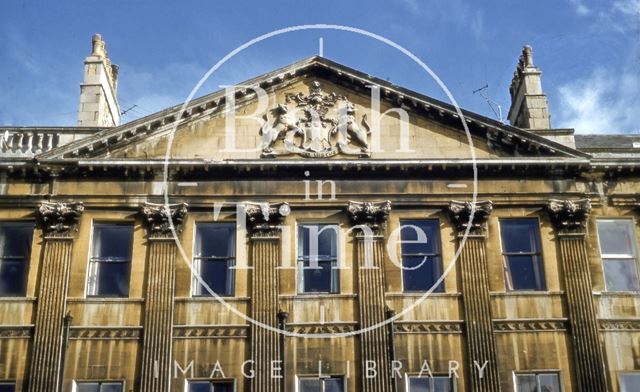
(317, 125)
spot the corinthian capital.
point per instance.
(569, 215)
(265, 217)
(371, 214)
(460, 212)
(60, 219)
(156, 217)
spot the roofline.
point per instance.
(172, 115)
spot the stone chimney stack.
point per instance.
(529, 107)
(98, 101)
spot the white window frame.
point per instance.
(76, 382)
(196, 261)
(508, 279)
(620, 256)
(233, 382)
(336, 264)
(454, 384)
(439, 255)
(315, 377)
(536, 373)
(622, 374)
(91, 285)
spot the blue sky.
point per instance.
(589, 51)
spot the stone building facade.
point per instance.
(170, 253)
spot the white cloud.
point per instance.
(580, 7)
(628, 7)
(459, 13)
(603, 102)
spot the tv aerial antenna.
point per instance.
(495, 107)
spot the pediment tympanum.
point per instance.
(315, 125)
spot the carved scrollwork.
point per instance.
(156, 217)
(210, 331)
(530, 325)
(413, 327)
(569, 216)
(371, 214)
(327, 328)
(265, 217)
(315, 126)
(460, 212)
(619, 324)
(60, 219)
(16, 331)
(105, 333)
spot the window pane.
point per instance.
(113, 279)
(199, 386)
(629, 382)
(88, 387)
(423, 277)
(549, 383)
(223, 387)
(13, 277)
(15, 248)
(217, 275)
(7, 387)
(112, 241)
(520, 235)
(616, 237)
(111, 387)
(621, 275)
(326, 237)
(525, 273)
(15, 239)
(419, 384)
(430, 228)
(310, 385)
(442, 384)
(333, 385)
(215, 240)
(526, 383)
(318, 280)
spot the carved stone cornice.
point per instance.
(156, 217)
(105, 333)
(60, 219)
(569, 216)
(530, 325)
(619, 325)
(327, 328)
(16, 331)
(419, 327)
(460, 212)
(266, 218)
(371, 214)
(210, 331)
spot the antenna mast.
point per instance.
(495, 107)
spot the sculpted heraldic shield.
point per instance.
(318, 125)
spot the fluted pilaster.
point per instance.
(481, 345)
(264, 234)
(369, 242)
(155, 372)
(569, 218)
(58, 221)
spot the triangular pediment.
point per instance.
(313, 109)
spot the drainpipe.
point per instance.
(65, 343)
(282, 325)
(392, 347)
